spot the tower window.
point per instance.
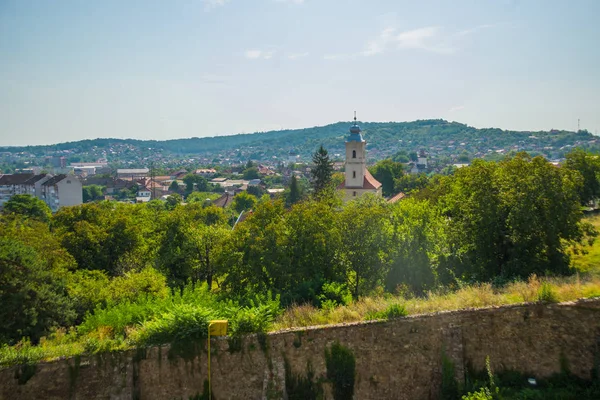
(354, 174)
(353, 153)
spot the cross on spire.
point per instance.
(355, 117)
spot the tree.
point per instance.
(407, 183)
(322, 170)
(243, 202)
(33, 272)
(173, 200)
(93, 193)
(510, 219)
(386, 172)
(193, 181)
(588, 166)
(294, 194)
(366, 233)
(174, 187)
(28, 206)
(416, 234)
(251, 173)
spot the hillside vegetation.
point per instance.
(385, 138)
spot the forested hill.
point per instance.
(384, 138)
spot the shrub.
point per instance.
(547, 293)
(341, 370)
(183, 322)
(391, 312)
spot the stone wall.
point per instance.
(399, 359)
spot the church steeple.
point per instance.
(355, 135)
(358, 179)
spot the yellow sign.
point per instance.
(217, 327)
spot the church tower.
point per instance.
(358, 180)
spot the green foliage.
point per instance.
(341, 370)
(300, 387)
(322, 170)
(28, 206)
(32, 293)
(243, 201)
(588, 167)
(391, 312)
(93, 193)
(195, 182)
(387, 172)
(294, 195)
(547, 294)
(250, 173)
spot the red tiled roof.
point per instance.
(397, 197)
(369, 182)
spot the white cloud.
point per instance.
(253, 54)
(431, 38)
(456, 108)
(295, 56)
(211, 4)
(256, 54)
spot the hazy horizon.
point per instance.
(154, 70)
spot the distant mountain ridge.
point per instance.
(383, 139)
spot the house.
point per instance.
(61, 191)
(143, 195)
(358, 180)
(206, 172)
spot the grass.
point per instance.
(476, 296)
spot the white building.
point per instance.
(358, 179)
(62, 190)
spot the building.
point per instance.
(62, 190)
(11, 185)
(358, 180)
(132, 174)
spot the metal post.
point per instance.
(209, 394)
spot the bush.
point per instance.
(391, 312)
(547, 293)
(183, 322)
(341, 370)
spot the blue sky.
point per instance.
(72, 70)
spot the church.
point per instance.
(358, 180)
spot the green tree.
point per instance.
(173, 200)
(322, 170)
(174, 186)
(93, 193)
(366, 234)
(33, 272)
(588, 166)
(386, 172)
(195, 182)
(28, 206)
(510, 219)
(408, 183)
(250, 173)
(294, 195)
(243, 201)
(417, 235)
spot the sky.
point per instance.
(150, 69)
